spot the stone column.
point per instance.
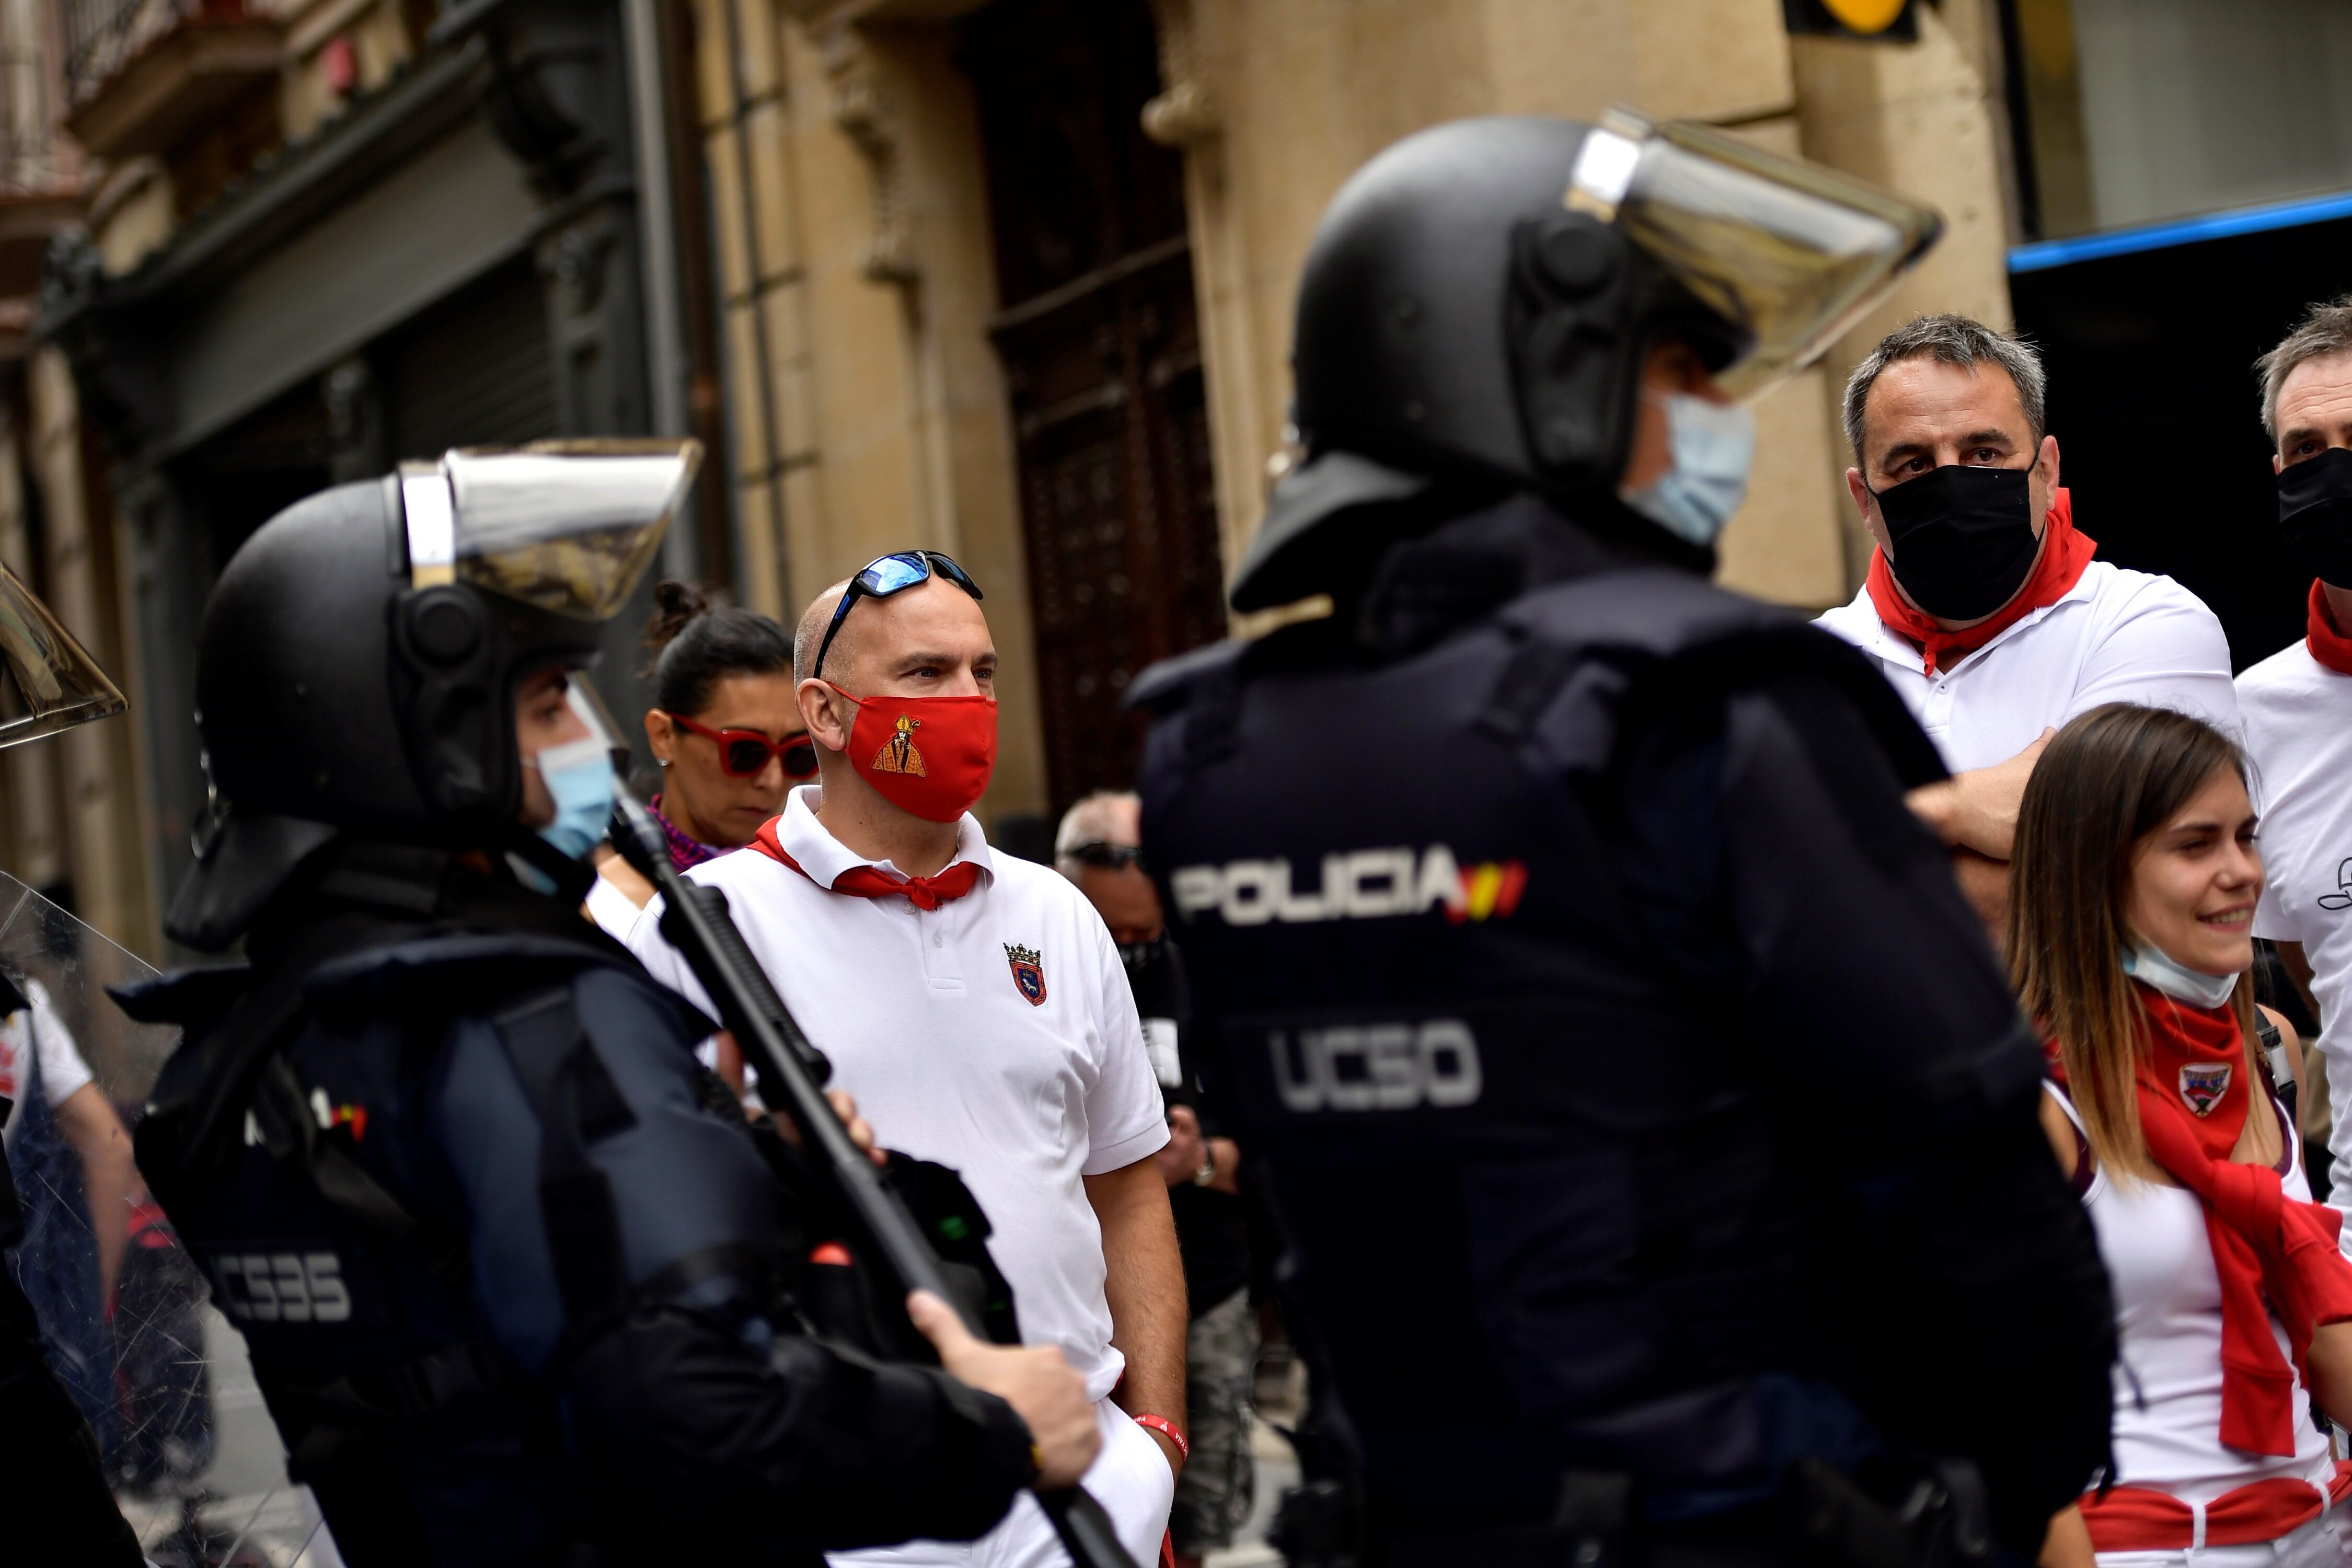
(110, 877)
(748, 135)
(32, 830)
(593, 328)
(165, 579)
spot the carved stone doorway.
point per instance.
(1101, 347)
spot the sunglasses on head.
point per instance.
(743, 753)
(1109, 857)
(889, 574)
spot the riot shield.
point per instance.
(190, 1450)
(48, 683)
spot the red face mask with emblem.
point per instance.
(929, 756)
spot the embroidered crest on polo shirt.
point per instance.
(2202, 1085)
(1028, 973)
(898, 755)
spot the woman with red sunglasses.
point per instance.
(724, 729)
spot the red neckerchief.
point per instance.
(2066, 553)
(2328, 646)
(866, 882)
(2273, 1254)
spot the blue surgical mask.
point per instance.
(2193, 987)
(1713, 445)
(579, 776)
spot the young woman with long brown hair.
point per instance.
(2129, 937)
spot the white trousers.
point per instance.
(2318, 1543)
(1129, 1478)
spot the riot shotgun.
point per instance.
(792, 1073)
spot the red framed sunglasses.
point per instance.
(743, 753)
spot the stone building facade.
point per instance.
(888, 177)
(1010, 279)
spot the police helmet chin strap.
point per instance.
(558, 874)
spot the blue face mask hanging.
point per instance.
(579, 776)
(1714, 447)
(2194, 987)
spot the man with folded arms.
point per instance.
(976, 1008)
(1983, 605)
(2298, 701)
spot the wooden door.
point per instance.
(1102, 352)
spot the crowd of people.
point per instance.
(879, 910)
(1645, 1122)
(2100, 814)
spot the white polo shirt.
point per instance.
(2114, 636)
(37, 1029)
(2298, 716)
(928, 1026)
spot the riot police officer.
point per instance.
(1652, 1130)
(510, 1272)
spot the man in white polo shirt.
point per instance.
(975, 1007)
(1983, 605)
(2298, 702)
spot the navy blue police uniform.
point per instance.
(1651, 1130)
(515, 1272)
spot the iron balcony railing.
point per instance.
(100, 35)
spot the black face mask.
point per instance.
(2316, 514)
(1963, 538)
(1141, 956)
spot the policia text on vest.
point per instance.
(1362, 884)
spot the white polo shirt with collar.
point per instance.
(930, 1028)
(2299, 738)
(2115, 636)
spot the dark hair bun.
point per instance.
(698, 644)
(675, 604)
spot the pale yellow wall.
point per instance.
(869, 489)
(963, 418)
(100, 761)
(771, 437)
(868, 203)
(32, 833)
(1306, 90)
(876, 287)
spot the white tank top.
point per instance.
(2168, 1320)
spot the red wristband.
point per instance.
(1166, 1428)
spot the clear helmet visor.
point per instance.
(569, 526)
(48, 683)
(1790, 254)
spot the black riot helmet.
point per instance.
(357, 666)
(1478, 301)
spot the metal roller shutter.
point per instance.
(475, 371)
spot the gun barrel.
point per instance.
(792, 1079)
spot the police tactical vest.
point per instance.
(276, 1141)
(1537, 1214)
